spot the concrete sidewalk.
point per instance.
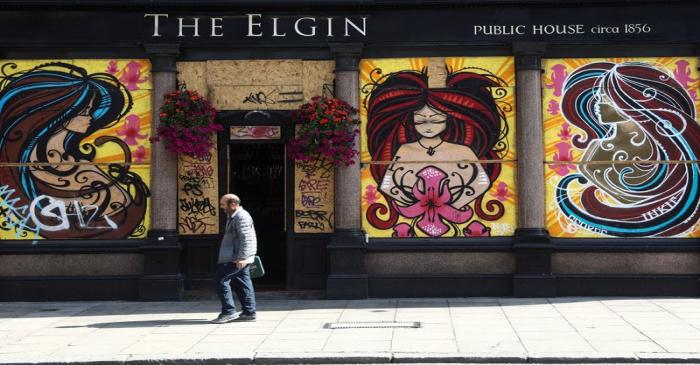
(497, 330)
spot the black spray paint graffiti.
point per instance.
(273, 97)
(197, 206)
(195, 210)
(323, 169)
(315, 210)
(314, 219)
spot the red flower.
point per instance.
(187, 124)
(326, 131)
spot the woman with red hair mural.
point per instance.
(429, 145)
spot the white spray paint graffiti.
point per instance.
(33, 218)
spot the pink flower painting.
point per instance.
(131, 76)
(682, 75)
(371, 194)
(130, 130)
(501, 193)
(565, 132)
(112, 68)
(557, 76)
(563, 154)
(553, 107)
(403, 230)
(432, 208)
(476, 229)
(140, 154)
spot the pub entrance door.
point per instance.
(257, 177)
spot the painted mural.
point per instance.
(438, 149)
(621, 142)
(74, 149)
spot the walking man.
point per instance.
(236, 253)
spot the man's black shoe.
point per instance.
(246, 318)
(225, 318)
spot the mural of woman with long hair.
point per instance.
(49, 176)
(633, 115)
(434, 139)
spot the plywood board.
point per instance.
(313, 197)
(318, 78)
(254, 72)
(197, 193)
(194, 75)
(253, 97)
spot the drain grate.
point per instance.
(382, 324)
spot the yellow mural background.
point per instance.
(556, 223)
(502, 67)
(142, 106)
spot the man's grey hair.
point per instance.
(231, 198)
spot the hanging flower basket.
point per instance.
(326, 131)
(187, 124)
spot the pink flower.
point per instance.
(565, 132)
(131, 76)
(476, 229)
(371, 194)
(112, 68)
(433, 203)
(682, 75)
(563, 155)
(553, 107)
(557, 76)
(131, 129)
(501, 193)
(403, 230)
(140, 154)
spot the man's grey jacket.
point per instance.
(239, 241)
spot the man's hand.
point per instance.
(240, 264)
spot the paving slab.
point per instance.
(476, 330)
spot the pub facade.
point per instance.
(532, 148)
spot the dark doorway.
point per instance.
(257, 177)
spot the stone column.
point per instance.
(347, 277)
(532, 247)
(162, 279)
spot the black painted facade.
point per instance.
(337, 263)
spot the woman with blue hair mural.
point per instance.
(50, 183)
(640, 140)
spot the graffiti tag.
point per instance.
(201, 206)
(48, 214)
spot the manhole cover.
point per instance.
(340, 325)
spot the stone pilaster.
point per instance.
(162, 279)
(347, 277)
(532, 247)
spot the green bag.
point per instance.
(256, 268)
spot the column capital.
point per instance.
(346, 55)
(528, 55)
(163, 56)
